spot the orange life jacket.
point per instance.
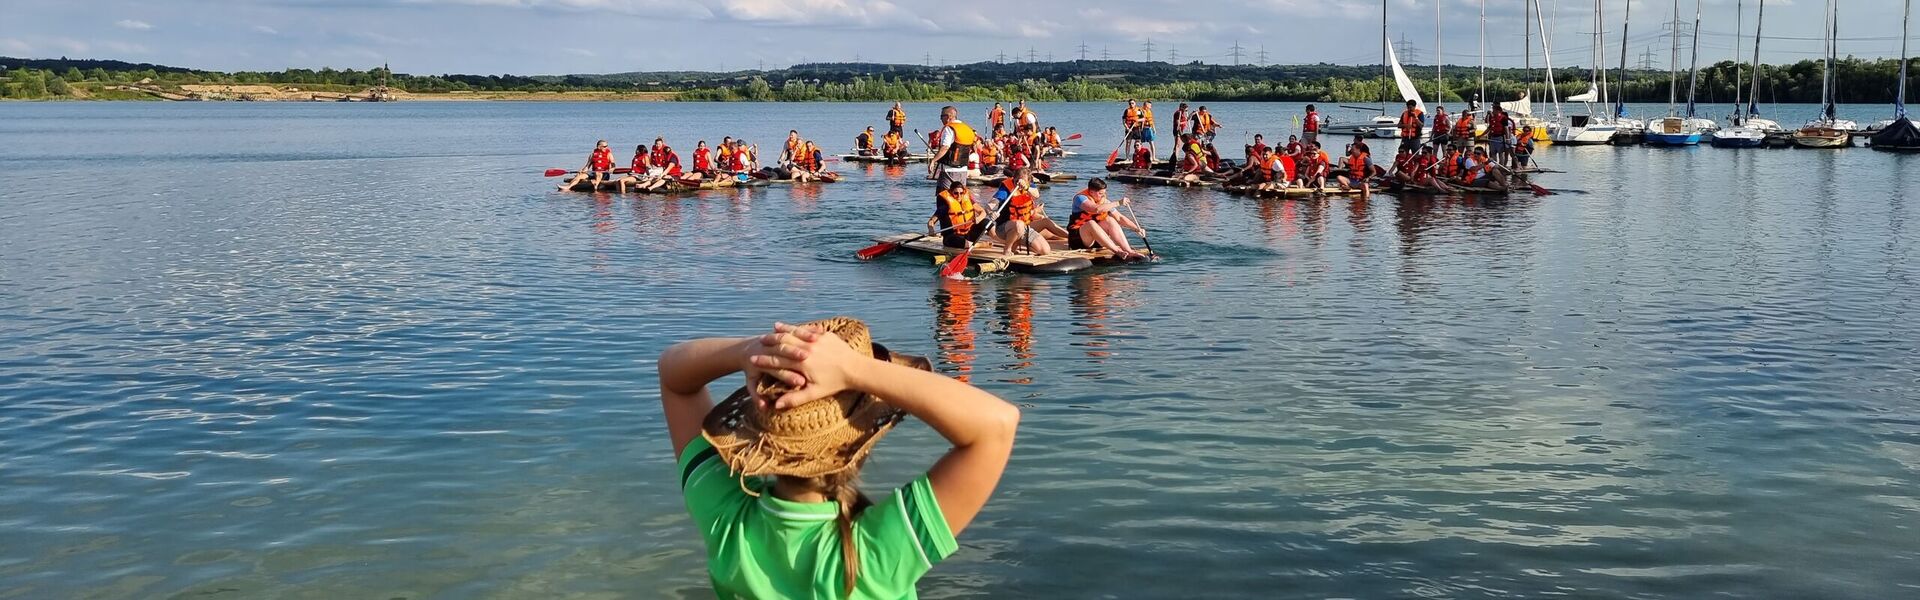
(1451, 166)
(1357, 165)
(1080, 217)
(958, 211)
(963, 141)
(997, 117)
(1129, 116)
(987, 154)
(1053, 139)
(1206, 123)
(1020, 206)
(1463, 128)
(1410, 123)
(897, 117)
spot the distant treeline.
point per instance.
(1859, 80)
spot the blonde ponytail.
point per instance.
(844, 492)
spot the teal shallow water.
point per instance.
(363, 351)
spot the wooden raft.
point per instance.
(1060, 260)
(1158, 180)
(1292, 192)
(911, 158)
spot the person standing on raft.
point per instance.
(768, 476)
(599, 167)
(1412, 120)
(953, 158)
(897, 120)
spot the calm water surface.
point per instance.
(362, 351)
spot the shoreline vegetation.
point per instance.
(1860, 81)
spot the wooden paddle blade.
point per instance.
(876, 250)
(557, 172)
(954, 267)
(1540, 191)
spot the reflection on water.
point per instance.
(953, 310)
(1014, 303)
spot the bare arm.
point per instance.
(979, 425)
(685, 370)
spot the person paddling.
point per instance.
(768, 475)
(1096, 224)
(599, 167)
(956, 215)
(1019, 205)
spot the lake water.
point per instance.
(364, 351)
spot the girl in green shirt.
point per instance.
(818, 397)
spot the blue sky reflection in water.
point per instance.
(362, 351)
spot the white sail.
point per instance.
(1400, 80)
(1592, 95)
(1522, 107)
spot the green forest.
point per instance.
(1859, 81)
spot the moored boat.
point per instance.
(1899, 135)
(1829, 130)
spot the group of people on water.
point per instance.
(657, 166)
(1026, 145)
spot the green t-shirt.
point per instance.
(766, 548)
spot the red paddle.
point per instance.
(1072, 137)
(557, 172)
(954, 267)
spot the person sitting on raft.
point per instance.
(1052, 143)
(1313, 167)
(957, 216)
(1194, 162)
(1012, 228)
(702, 162)
(1359, 170)
(1294, 147)
(1476, 170)
(599, 167)
(893, 146)
(1254, 173)
(865, 144)
(987, 156)
(636, 169)
(805, 165)
(1096, 223)
(768, 476)
(666, 162)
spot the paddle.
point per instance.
(1143, 231)
(1073, 137)
(1537, 190)
(958, 263)
(557, 172)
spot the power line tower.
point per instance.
(1049, 57)
(1236, 52)
(1261, 56)
(1104, 54)
(1083, 50)
(1001, 58)
(927, 60)
(1149, 48)
(1646, 59)
(1408, 53)
(1173, 55)
(1031, 55)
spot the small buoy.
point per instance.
(940, 259)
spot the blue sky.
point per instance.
(598, 36)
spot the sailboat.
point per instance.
(1827, 131)
(1742, 135)
(1675, 130)
(1384, 125)
(1627, 131)
(1589, 129)
(1900, 135)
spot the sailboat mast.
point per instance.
(1900, 97)
(1826, 79)
(1693, 69)
(1753, 95)
(1599, 78)
(1385, 76)
(1620, 101)
(1673, 60)
(1739, 36)
(1439, 60)
(1526, 39)
(1483, 51)
(1546, 54)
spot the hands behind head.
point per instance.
(814, 363)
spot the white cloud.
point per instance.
(266, 30)
(132, 24)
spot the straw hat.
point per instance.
(815, 439)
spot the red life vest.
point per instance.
(1312, 125)
(1497, 126)
(1440, 123)
(1143, 158)
(640, 162)
(701, 162)
(670, 160)
(601, 159)
(735, 162)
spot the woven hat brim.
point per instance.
(750, 451)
